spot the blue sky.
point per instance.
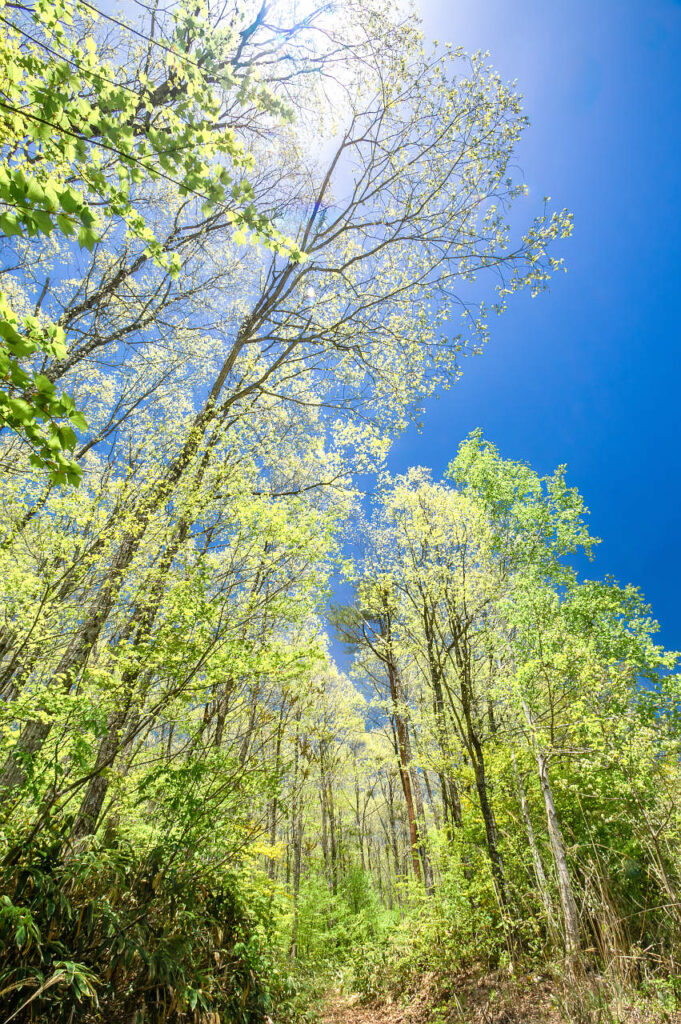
(588, 374)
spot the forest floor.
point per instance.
(482, 1000)
(471, 1002)
(348, 1010)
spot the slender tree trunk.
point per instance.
(393, 827)
(567, 898)
(95, 794)
(341, 846)
(379, 871)
(405, 778)
(332, 838)
(450, 795)
(324, 813)
(274, 803)
(491, 832)
(272, 861)
(297, 839)
(297, 864)
(325, 837)
(422, 831)
(246, 740)
(431, 801)
(477, 756)
(539, 873)
(388, 878)
(557, 843)
(358, 822)
(410, 782)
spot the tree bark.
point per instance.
(557, 843)
(296, 839)
(410, 783)
(539, 873)
(567, 898)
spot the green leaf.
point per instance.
(35, 191)
(74, 474)
(9, 224)
(21, 409)
(9, 332)
(67, 437)
(78, 420)
(65, 224)
(87, 238)
(43, 221)
(44, 386)
(70, 201)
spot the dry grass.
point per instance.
(493, 998)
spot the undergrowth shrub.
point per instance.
(114, 934)
(335, 929)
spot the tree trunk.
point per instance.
(567, 898)
(332, 838)
(358, 822)
(95, 794)
(325, 836)
(476, 753)
(405, 778)
(296, 839)
(450, 796)
(393, 827)
(410, 782)
(422, 832)
(431, 801)
(539, 873)
(324, 813)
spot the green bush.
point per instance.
(116, 934)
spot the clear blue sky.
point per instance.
(588, 373)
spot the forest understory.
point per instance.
(285, 737)
(485, 999)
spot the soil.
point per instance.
(348, 1010)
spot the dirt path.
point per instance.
(348, 1010)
